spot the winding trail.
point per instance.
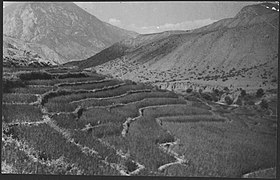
(179, 159)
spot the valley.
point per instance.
(68, 121)
(83, 97)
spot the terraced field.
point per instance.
(81, 123)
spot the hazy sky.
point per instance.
(150, 17)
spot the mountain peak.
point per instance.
(70, 31)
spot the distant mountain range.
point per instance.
(241, 51)
(65, 29)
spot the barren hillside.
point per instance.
(241, 51)
(65, 28)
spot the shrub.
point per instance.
(131, 166)
(260, 92)
(250, 102)
(228, 100)
(189, 90)
(216, 91)
(264, 104)
(226, 89)
(243, 93)
(207, 96)
(239, 102)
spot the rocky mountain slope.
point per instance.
(17, 53)
(237, 52)
(65, 28)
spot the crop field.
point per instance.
(18, 98)
(20, 113)
(52, 82)
(91, 86)
(32, 90)
(71, 122)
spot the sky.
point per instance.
(151, 17)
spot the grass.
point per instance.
(15, 113)
(92, 86)
(175, 110)
(62, 70)
(60, 107)
(68, 121)
(94, 115)
(131, 110)
(64, 99)
(11, 154)
(120, 113)
(108, 129)
(127, 99)
(9, 83)
(31, 90)
(196, 118)
(142, 140)
(44, 139)
(18, 98)
(223, 149)
(34, 75)
(87, 139)
(67, 80)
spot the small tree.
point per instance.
(226, 89)
(260, 92)
(243, 93)
(239, 102)
(264, 104)
(189, 90)
(228, 100)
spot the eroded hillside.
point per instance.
(241, 52)
(65, 28)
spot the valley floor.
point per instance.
(67, 121)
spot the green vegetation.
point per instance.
(92, 86)
(66, 96)
(25, 76)
(259, 92)
(51, 82)
(216, 140)
(228, 100)
(174, 110)
(46, 140)
(18, 98)
(20, 113)
(9, 84)
(192, 119)
(126, 99)
(23, 164)
(223, 149)
(31, 90)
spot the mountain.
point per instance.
(68, 30)
(17, 53)
(239, 52)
